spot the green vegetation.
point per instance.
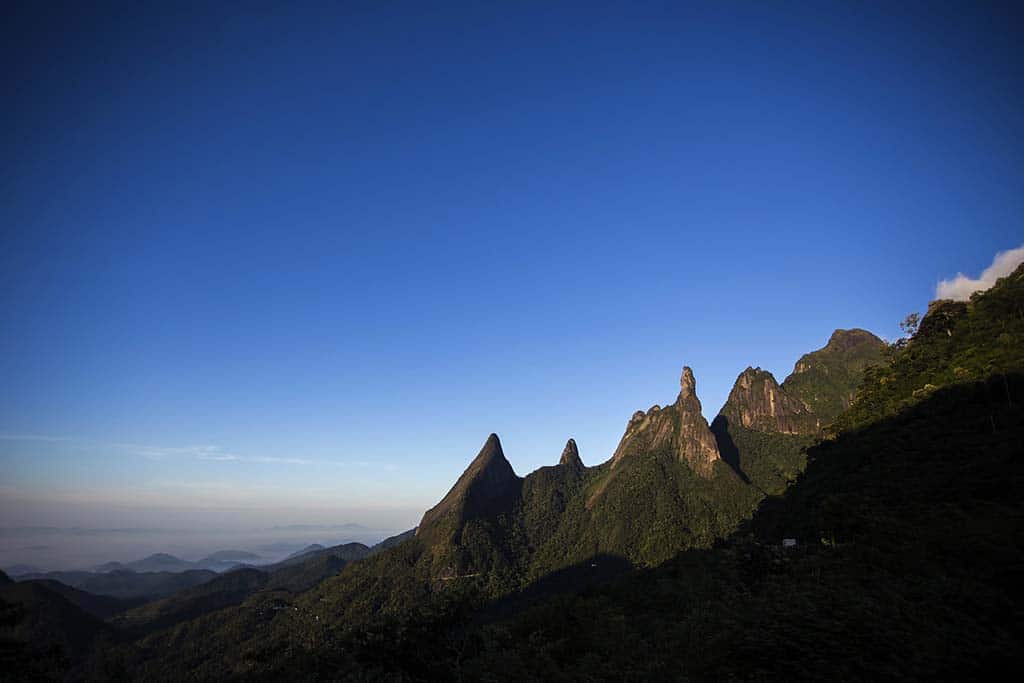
(921, 577)
(921, 580)
(908, 563)
(770, 461)
(827, 380)
(128, 585)
(956, 342)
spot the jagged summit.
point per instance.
(488, 485)
(758, 402)
(680, 427)
(571, 455)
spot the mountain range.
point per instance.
(892, 473)
(221, 560)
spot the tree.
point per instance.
(910, 324)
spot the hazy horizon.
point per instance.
(56, 549)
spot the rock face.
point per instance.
(680, 428)
(487, 487)
(571, 455)
(826, 380)
(758, 402)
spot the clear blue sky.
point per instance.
(303, 258)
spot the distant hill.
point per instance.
(219, 592)
(43, 634)
(20, 569)
(225, 556)
(128, 584)
(160, 562)
(346, 551)
(312, 548)
(220, 561)
(293, 575)
(99, 606)
(392, 541)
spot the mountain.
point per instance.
(222, 591)
(488, 487)
(826, 380)
(295, 574)
(764, 428)
(229, 556)
(762, 432)
(494, 534)
(571, 456)
(346, 552)
(906, 517)
(956, 342)
(299, 577)
(679, 427)
(220, 561)
(99, 606)
(392, 541)
(758, 402)
(908, 522)
(43, 634)
(311, 548)
(907, 565)
(160, 562)
(127, 584)
(21, 569)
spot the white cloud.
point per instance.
(961, 287)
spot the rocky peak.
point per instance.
(843, 340)
(488, 485)
(571, 455)
(758, 402)
(687, 384)
(679, 428)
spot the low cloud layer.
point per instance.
(961, 287)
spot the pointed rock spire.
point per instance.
(696, 443)
(687, 384)
(679, 427)
(487, 486)
(571, 455)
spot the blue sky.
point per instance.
(294, 263)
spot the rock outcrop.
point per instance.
(571, 455)
(758, 402)
(679, 428)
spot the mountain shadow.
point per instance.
(907, 566)
(727, 447)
